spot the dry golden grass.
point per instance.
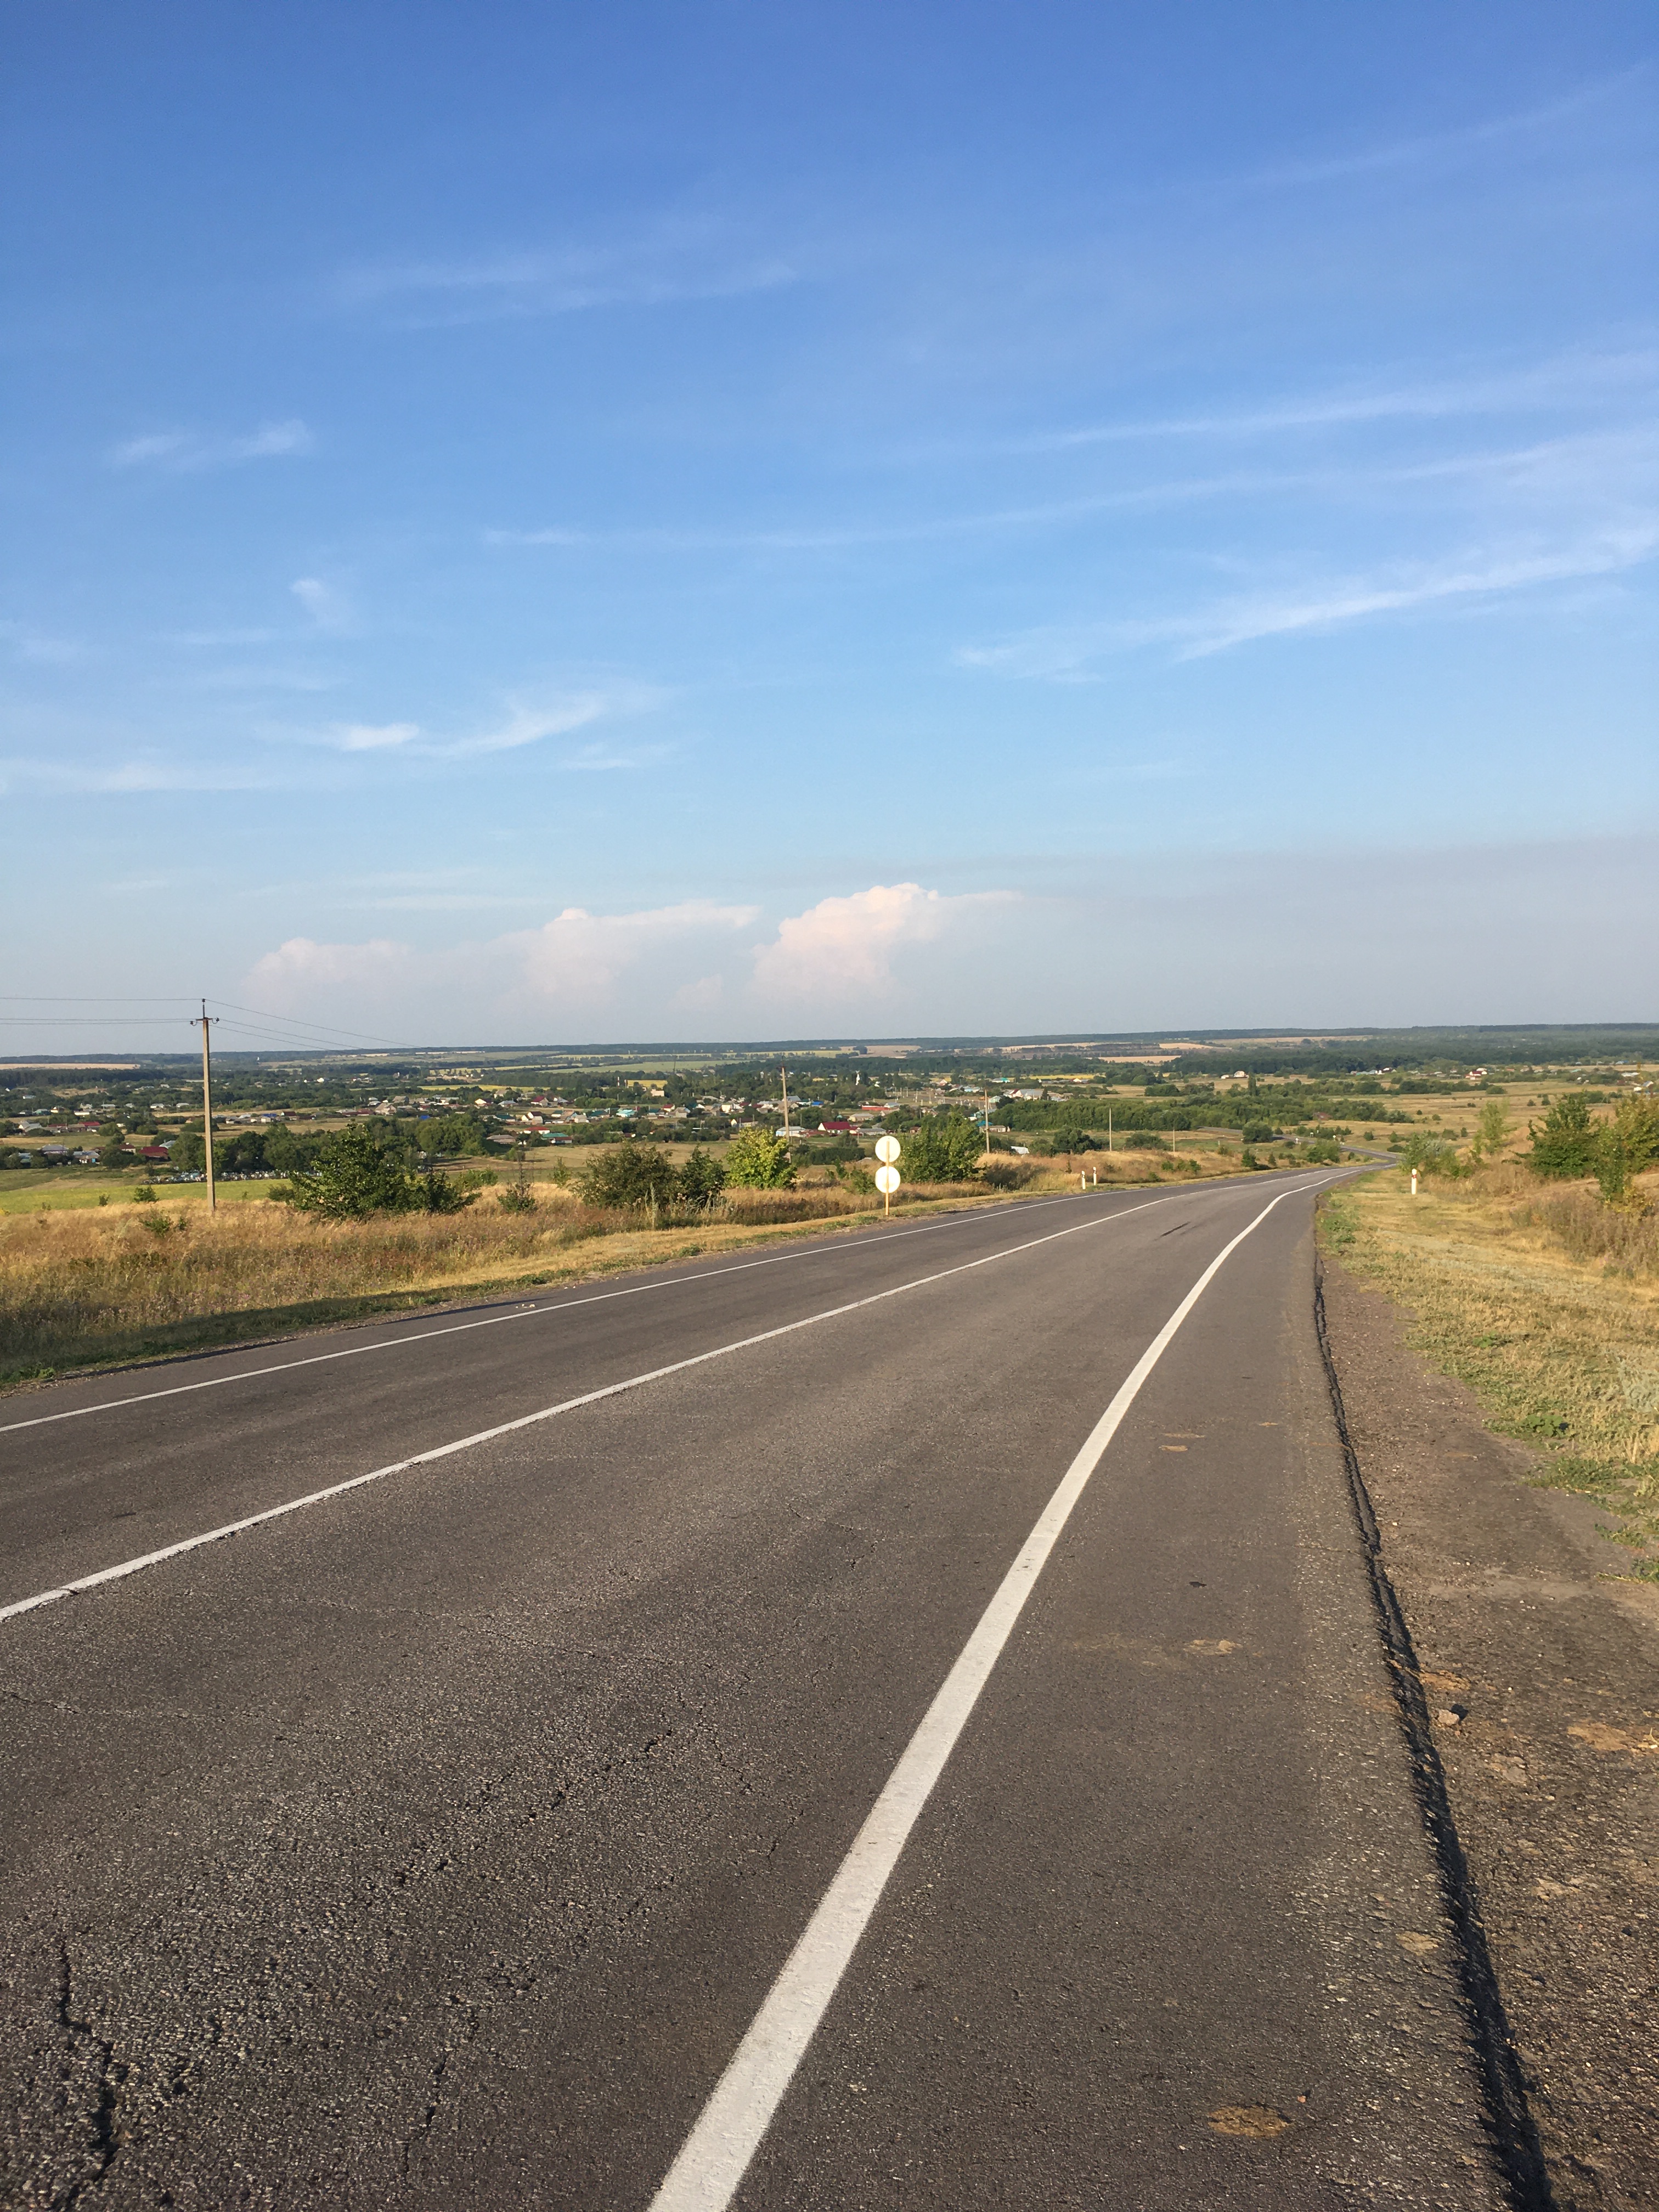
(1546, 1303)
(83, 1285)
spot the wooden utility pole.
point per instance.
(207, 1021)
(784, 1072)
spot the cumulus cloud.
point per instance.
(579, 958)
(576, 965)
(301, 970)
(187, 451)
(844, 950)
(663, 967)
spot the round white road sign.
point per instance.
(887, 1178)
(887, 1151)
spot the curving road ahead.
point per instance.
(896, 1721)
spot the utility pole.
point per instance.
(206, 1024)
(784, 1072)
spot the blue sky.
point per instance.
(723, 520)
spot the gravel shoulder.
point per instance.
(1540, 1659)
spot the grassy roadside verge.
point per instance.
(1545, 1307)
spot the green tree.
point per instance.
(357, 1174)
(285, 1151)
(756, 1160)
(454, 1132)
(630, 1174)
(1490, 1129)
(1432, 1155)
(1621, 1148)
(1565, 1145)
(187, 1152)
(702, 1179)
(942, 1150)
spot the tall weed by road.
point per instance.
(1588, 1230)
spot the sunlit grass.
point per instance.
(1546, 1303)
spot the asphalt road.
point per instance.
(438, 1843)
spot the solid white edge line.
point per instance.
(529, 1312)
(133, 1567)
(716, 2154)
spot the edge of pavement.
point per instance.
(1526, 1674)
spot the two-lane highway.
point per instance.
(898, 1721)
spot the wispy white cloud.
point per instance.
(1581, 379)
(327, 603)
(1068, 653)
(39, 648)
(375, 737)
(845, 537)
(526, 723)
(675, 261)
(128, 777)
(1436, 149)
(188, 450)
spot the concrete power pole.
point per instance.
(205, 1025)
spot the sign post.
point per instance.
(887, 1175)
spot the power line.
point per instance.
(320, 1029)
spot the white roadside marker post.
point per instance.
(887, 1175)
(1413, 1182)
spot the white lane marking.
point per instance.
(716, 2155)
(519, 1313)
(549, 1413)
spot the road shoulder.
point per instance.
(1541, 1666)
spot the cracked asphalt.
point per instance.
(436, 1844)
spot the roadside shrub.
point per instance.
(1435, 1156)
(1492, 1128)
(943, 1150)
(357, 1176)
(1564, 1148)
(1254, 1133)
(517, 1198)
(1621, 1148)
(756, 1160)
(1148, 1141)
(630, 1174)
(702, 1179)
